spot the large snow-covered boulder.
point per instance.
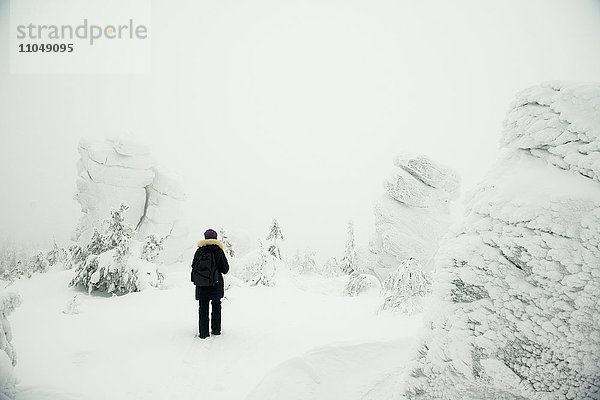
(413, 214)
(517, 288)
(116, 171)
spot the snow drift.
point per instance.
(413, 214)
(116, 171)
(518, 286)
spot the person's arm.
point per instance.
(194, 263)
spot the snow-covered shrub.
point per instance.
(152, 248)
(331, 268)
(72, 306)
(8, 355)
(38, 263)
(303, 262)
(110, 265)
(274, 236)
(259, 268)
(106, 273)
(405, 288)
(358, 283)
(517, 287)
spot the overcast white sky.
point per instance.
(291, 109)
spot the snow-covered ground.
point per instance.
(300, 339)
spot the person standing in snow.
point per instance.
(208, 267)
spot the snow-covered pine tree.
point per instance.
(349, 259)
(152, 247)
(108, 271)
(405, 288)
(226, 243)
(119, 234)
(274, 235)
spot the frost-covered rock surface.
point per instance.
(116, 171)
(8, 355)
(413, 214)
(517, 287)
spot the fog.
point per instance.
(290, 109)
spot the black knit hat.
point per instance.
(210, 234)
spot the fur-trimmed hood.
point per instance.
(207, 242)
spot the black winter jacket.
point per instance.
(216, 247)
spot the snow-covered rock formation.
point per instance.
(413, 214)
(116, 171)
(518, 287)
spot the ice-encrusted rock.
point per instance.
(116, 171)
(559, 123)
(517, 288)
(413, 214)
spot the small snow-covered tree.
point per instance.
(226, 243)
(274, 236)
(349, 259)
(38, 263)
(108, 271)
(56, 255)
(119, 233)
(304, 261)
(331, 268)
(152, 247)
(261, 270)
(406, 287)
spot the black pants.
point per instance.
(215, 318)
